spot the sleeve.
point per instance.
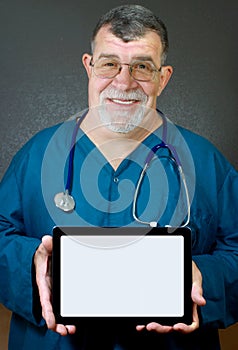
(220, 268)
(18, 290)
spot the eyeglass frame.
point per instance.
(130, 69)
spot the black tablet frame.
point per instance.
(58, 232)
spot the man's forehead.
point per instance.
(105, 37)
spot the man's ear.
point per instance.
(165, 75)
(86, 62)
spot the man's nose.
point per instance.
(123, 80)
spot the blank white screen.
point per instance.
(144, 278)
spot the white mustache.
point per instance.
(113, 93)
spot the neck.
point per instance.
(116, 146)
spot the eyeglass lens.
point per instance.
(109, 68)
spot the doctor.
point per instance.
(127, 72)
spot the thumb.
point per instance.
(197, 296)
(47, 243)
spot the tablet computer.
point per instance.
(139, 274)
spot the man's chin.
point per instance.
(121, 120)
(120, 128)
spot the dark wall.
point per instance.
(42, 80)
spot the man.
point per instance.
(127, 72)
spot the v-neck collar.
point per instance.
(87, 146)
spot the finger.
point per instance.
(61, 329)
(153, 326)
(71, 329)
(140, 327)
(64, 330)
(185, 329)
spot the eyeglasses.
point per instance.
(108, 68)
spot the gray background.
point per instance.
(42, 80)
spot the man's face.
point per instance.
(122, 94)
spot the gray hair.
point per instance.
(130, 22)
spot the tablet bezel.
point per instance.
(58, 232)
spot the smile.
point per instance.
(123, 102)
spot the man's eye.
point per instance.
(143, 66)
(110, 64)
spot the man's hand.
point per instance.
(198, 300)
(42, 261)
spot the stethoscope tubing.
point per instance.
(174, 156)
(149, 159)
(71, 154)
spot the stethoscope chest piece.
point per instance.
(64, 201)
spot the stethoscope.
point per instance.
(65, 201)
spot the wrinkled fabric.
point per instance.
(104, 198)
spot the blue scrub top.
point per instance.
(104, 197)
